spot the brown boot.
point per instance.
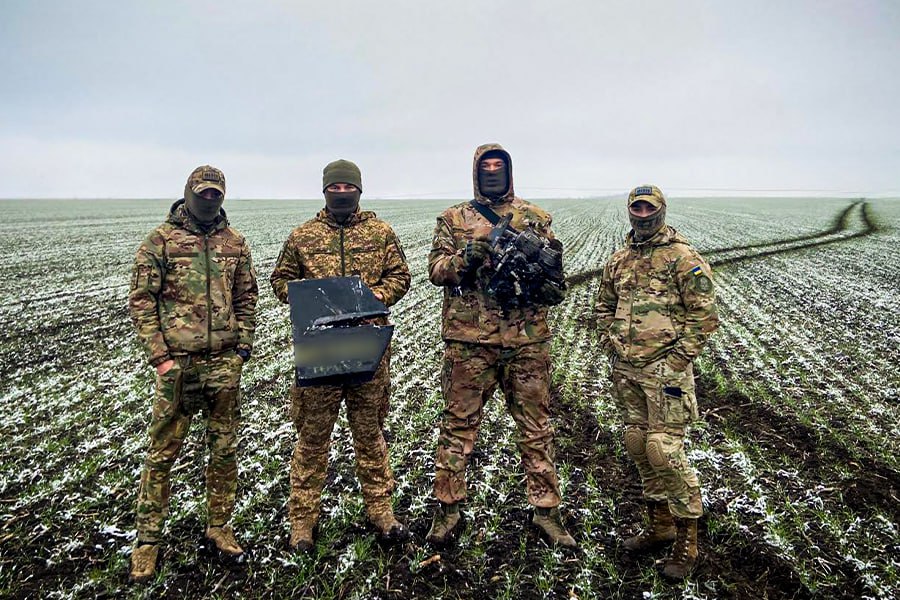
(302, 537)
(660, 531)
(227, 546)
(684, 551)
(446, 519)
(143, 562)
(549, 521)
(389, 528)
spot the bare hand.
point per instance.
(163, 367)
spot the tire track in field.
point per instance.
(841, 225)
(838, 224)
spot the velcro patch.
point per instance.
(643, 191)
(210, 176)
(703, 284)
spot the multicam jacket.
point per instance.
(193, 291)
(657, 300)
(469, 314)
(364, 246)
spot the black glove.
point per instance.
(476, 252)
(244, 354)
(551, 294)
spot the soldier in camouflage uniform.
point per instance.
(656, 309)
(193, 301)
(488, 345)
(343, 240)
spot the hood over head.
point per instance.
(487, 151)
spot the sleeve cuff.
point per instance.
(158, 360)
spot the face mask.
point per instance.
(342, 204)
(202, 210)
(493, 184)
(646, 227)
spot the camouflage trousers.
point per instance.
(657, 403)
(200, 383)
(314, 411)
(471, 373)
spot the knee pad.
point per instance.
(655, 454)
(635, 441)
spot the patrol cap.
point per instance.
(206, 177)
(341, 171)
(647, 193)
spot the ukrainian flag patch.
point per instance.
(696, 270)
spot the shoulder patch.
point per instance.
(702, 283)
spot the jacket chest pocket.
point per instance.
(367, 261)
(224, 265)
(657, 286)
(184, 273)
(625, 283)
(182, 266)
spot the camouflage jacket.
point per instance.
(657, 300)
(364, 246)
(469, 314)
(193, 292)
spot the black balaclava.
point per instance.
(342, 204)
(494, 184)
(203, 211)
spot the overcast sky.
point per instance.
(123, 99)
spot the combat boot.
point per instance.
(660, 531)
(446, 519)
(549, 521)
(143, 562)
(227, 547)
(302, 537)
(390, 530)
(684, 551)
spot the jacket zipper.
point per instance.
(208, 291)
(343, 266)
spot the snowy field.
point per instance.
(797, 445)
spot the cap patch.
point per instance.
(643, 191)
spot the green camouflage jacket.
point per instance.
(469, 314)
(193, 292)
(657, 300)
(364, 246)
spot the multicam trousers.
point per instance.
(314, 411)
(657, 403)
(209, 384)
(471, 373)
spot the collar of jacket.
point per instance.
(358, 217)
(178, 215)
(665, 236)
